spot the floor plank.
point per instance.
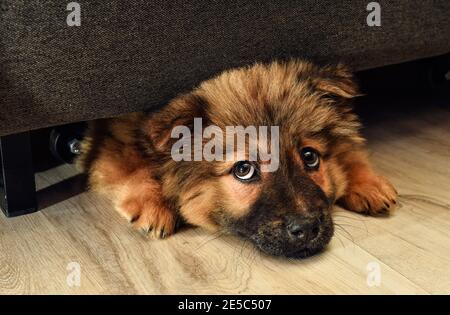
(411, 146)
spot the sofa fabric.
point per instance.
(138, 54)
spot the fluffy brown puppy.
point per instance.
(286, 212)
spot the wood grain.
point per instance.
(412, 247)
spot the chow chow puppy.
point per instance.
(287, 212)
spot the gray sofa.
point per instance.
(138, 54)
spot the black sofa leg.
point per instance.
(17, 185)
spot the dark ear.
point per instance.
(336, 82)
(179, 112)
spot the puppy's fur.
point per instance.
(129, 159)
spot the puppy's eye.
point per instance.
(311, 158)
(244, 171)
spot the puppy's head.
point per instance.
(283, 211)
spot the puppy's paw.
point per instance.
(374, 195)
(150, 217)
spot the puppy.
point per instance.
(286, 212)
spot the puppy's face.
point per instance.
(285, 211)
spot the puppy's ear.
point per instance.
(336, 82)
(179, 112)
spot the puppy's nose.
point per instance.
(303, 230)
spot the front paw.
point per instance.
(374, 195)
(151, 218)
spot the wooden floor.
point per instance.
(406, 253)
